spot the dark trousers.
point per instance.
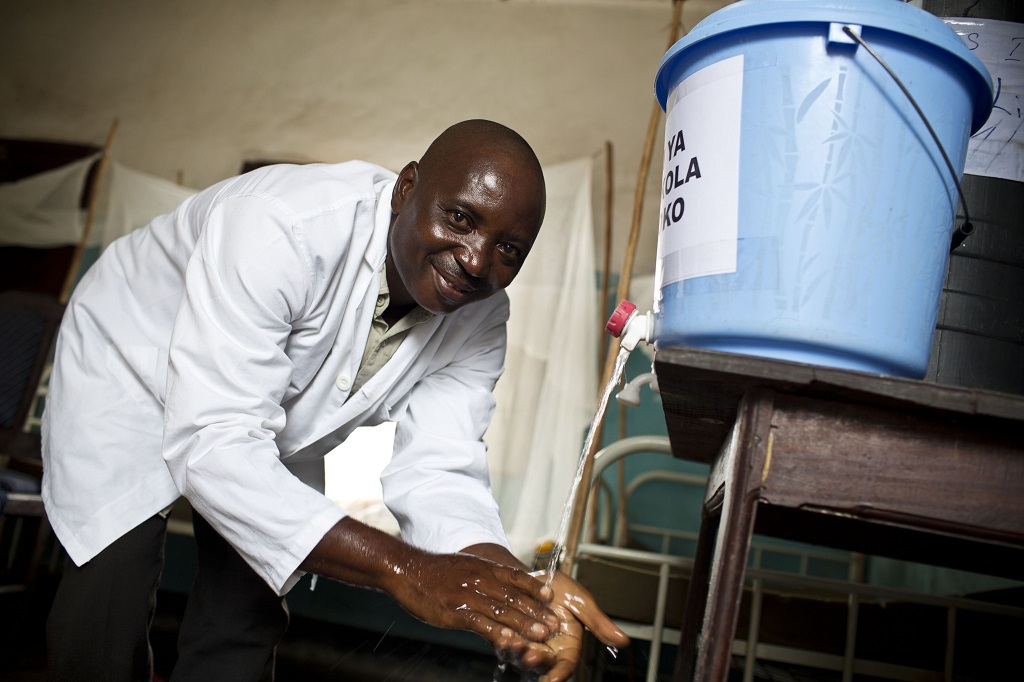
(98, 627)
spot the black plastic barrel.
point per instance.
(979, 338)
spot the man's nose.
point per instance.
(475, 256)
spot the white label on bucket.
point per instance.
(700, 182)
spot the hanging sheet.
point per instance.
(547, 396)
(44, 210)
(131, 200)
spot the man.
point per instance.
(220, 352)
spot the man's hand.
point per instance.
(483, 589)
(557, 658)
(499, 602)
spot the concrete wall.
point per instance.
(200, 85)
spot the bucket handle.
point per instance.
(966, 227)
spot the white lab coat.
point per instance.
(211, 355)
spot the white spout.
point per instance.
(630, 393)
(638, 328)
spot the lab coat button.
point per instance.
(343, 382)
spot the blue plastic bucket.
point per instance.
(806, 210)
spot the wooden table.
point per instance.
(895, 467)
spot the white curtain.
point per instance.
(130, 200)
(548, 393)
(43, 210)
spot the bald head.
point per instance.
(464, 216)
(479, 136)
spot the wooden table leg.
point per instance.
(727, 524)
(696, 598)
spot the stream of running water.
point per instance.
(563, 527)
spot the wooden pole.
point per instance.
(605, 286)
(653, 126)
(606, 266)
(90, 215)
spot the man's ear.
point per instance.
(404, 185)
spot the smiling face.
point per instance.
(464, 219)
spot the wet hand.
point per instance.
(557, 658)
(552, 660)
(501, 603)
(483, 589)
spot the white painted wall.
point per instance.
(200, 85)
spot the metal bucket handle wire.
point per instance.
(966, 227)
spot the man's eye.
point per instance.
(509, 250)
(458, 217)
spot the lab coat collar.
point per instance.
(382, 224)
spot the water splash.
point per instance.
(563, 526)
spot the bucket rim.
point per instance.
(891, 15)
